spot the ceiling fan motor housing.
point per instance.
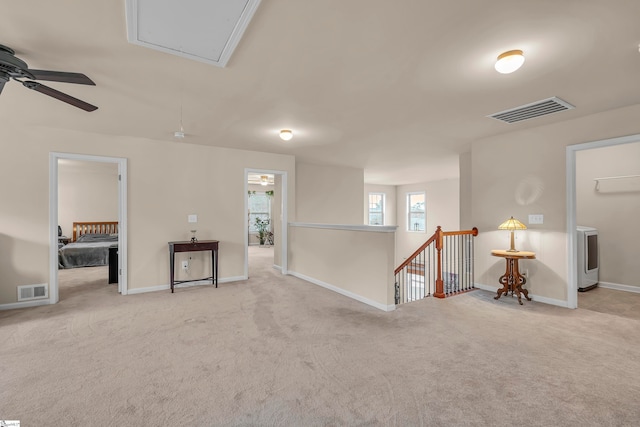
(12, 67)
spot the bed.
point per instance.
(90, 245)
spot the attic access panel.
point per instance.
(202, 30)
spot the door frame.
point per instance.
(572, 248)
(53, 218)
(284, 209)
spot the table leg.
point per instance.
(214, 267)
(504, 281)
(172, 259)
(516, 280)
(519, 281)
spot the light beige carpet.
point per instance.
(277, 351)
(603, 300)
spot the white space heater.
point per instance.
(588, 259)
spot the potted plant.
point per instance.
(262, 225)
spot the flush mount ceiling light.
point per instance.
(510, 61)
(286, 134)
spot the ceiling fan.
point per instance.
(16, 69)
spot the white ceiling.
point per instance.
(397, 88)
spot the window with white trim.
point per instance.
(376, 208)
(416, 211)
(259, 207)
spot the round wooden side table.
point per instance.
(512, 281)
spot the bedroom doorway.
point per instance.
(112, 170)
(265, 209)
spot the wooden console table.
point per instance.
(188, 246)
(512, 280)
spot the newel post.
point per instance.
(439, 293)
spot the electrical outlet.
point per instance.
(192, 218)
(185, 265)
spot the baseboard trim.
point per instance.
(550, 301)
(620, 287)
(135, 291)
(343, 292)
(25, 304)
(183, 285)
(544, 300)
(277, 267)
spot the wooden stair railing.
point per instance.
(409, 285)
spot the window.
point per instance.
(415, 211)
(259, 207)
(376, 208)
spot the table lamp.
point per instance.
(512, 224)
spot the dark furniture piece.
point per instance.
(188, 246)
(113, 264)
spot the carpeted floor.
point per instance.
(611, 301)
(276, 350)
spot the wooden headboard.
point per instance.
(107, 227)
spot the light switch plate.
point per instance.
(536, 219)
(192, 218)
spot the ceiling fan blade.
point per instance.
(38, 87)
(61, 76)
(2, 82)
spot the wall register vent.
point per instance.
(31, 292)
(533, 110)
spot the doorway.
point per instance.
(571, 150)
(54, 217)
(275, 198)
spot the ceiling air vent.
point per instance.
(533, 110)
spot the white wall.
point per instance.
(614, 209)
(87, 191)
(442, 209)
(329, 194)
(356, 263)
(524, 172)
(466, 194)
(167, 181)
